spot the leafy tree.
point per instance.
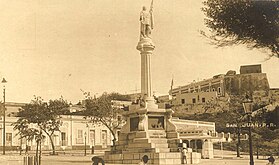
(119, 97)
(101, 111)
(29, 133)
(273, 116)
(210, 104)
(45, 115)
(251, 22)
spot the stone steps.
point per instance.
(155, 145)
(138, 150)
(146, 150)
(150, 140)
(159, 145)
(155, 158)
(168, 161)
(140, 145)
(141, 140)
(162, 150)
(158, 140)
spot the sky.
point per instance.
(53, 48)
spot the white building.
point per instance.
(73, 132)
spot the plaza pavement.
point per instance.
(68, 159)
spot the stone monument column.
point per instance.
(146, 47)
(146, 53)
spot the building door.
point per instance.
(92, 137)
(79, 137)
(9, 139)
(104, 138)
(63, 139)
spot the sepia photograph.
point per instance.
(139, 82)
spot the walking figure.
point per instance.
(271, 160)
(144, 160)
(97, 161)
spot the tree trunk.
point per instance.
(52, 145)
(26, 147)
(113, 140)
(37, 153)
(51, 141)
(20, 147)
(40, 154)
(112, 132)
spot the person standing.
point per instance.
(184, 155)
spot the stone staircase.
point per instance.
(132, 147)
(154, 145)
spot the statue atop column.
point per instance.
(146, 22)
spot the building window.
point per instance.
(203, 100)
(63, 138)
(219, 90)
(182, 101)
(104, 138)
(213, 89)
(194, 100)
(79, 137)
(80, 134)
(118, 134)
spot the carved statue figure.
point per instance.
(141, 126)
(146, 22)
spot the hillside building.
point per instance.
(217, 90)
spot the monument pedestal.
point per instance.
(147, 132)
(207, 150)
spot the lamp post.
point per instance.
(4, 115)
(84, 143)
(247, 104)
